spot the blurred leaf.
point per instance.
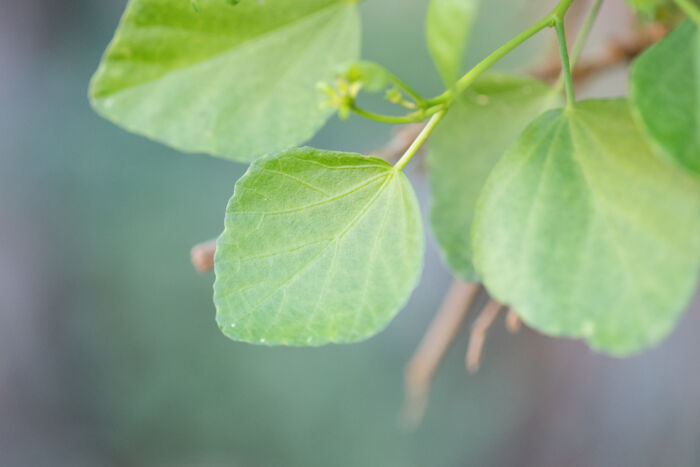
(372, 76)
(648, 7)
(464, 148)
(235, 82)
(319, 247)
(586, 233)
(665, 92)
(448, 24)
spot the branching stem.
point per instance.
(407, 89)
(465, 81)
(420, 139)
(565, 65)
(414, 117)
(478, 335)
(441, 102)
(437, 107)
(580, 41)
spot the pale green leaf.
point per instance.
(447, 28)
(466, 145)
(233, 81)
(665, 92)
(586, 233)
(319, 247)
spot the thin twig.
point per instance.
(478, 335)
(513, 322)
(616, 52)
(202, 256)
(442, 331)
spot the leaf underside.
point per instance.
(586, 233)
(665, 91)
(319, 247)
(466, 145)
(232, 81)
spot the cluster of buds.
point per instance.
(366, 76)
(342, 96)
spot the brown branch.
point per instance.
(513, 322)
(442, 331)
(478, 335)
(202, 256)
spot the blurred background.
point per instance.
(109, 352)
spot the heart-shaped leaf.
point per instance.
(586, 233)
(319, 247)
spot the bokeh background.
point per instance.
(109, 353)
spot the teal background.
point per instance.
(109, 352)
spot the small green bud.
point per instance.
(394, 96)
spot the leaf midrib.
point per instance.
(603, 213)
(333, 241)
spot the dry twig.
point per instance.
(202, 256)
(442, 331)
(478, 335)
(513, 322)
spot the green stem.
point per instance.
(560, 10)
(441, 102)
(581, 40)
(407, 89)
(465, 81)
(410, 118)
(585, 32)
(690, 9)
(420, 139)
(565, 65)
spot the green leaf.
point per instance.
(319, 247)
(448, 24)
(479, 127)
(372, 76)
(232, 81)
(586, 233)
(665, 92)
(648, 7)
